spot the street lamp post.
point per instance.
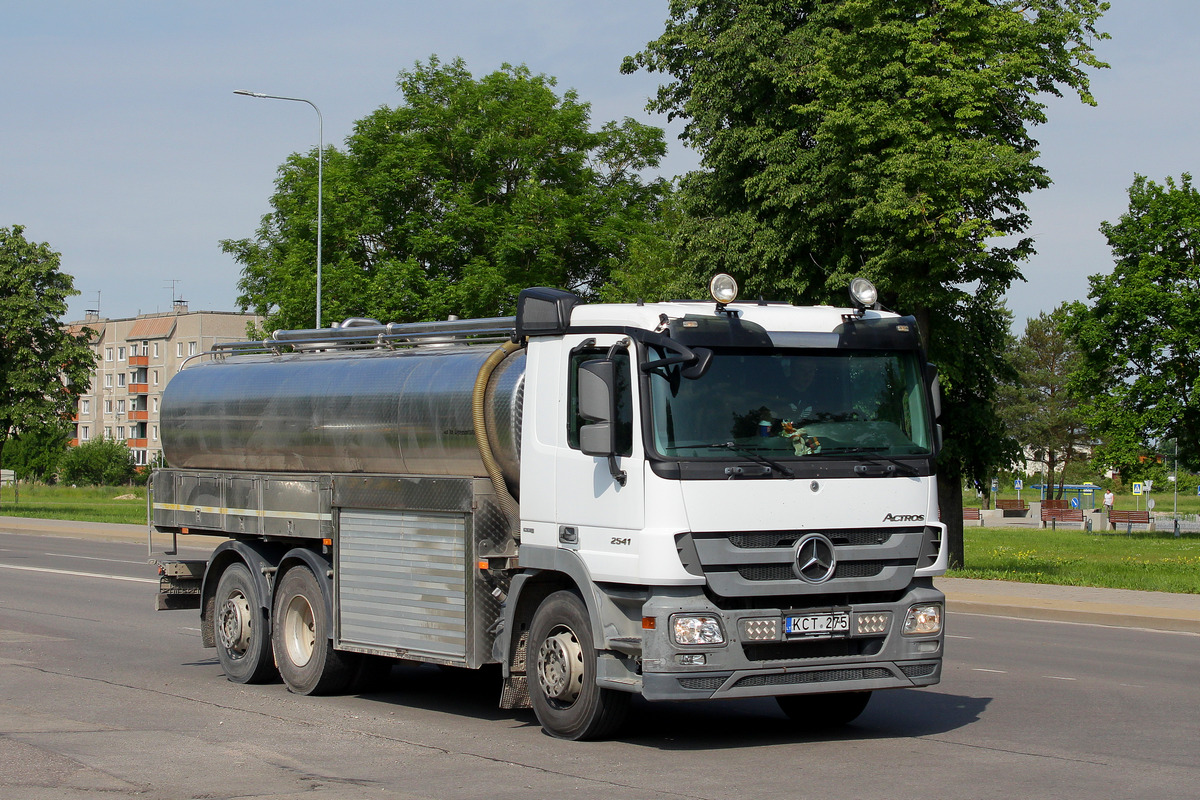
(320, 176)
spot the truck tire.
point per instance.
(300, 637)
(562, 683)
(241, 629)
(818, 712)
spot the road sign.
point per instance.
(1138, 489)
(1088, 491)
(1019, 484)
(1074, 502)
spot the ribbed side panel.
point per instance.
(403, 581)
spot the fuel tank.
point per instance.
(376, 411)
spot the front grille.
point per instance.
(768, 539)
(815, 676)
(711, 684)
(821, 648)
(784, 572)
(762, 563)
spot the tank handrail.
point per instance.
(379, 336)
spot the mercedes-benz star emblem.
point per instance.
(815, 559)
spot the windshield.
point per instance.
(793, 403)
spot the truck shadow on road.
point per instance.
(690, 726)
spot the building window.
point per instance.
(179, 349)
(108, 406)
(107, 432)
(120, 354)
(156, 377)
(120, 431)
(120, 379)
(156, 405)
(84, 433)
(108, 380)
(108, 354)
(191, 348)
(156, 349)
(154, 432)
(120, 406)
(85, 407)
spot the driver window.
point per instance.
(624, 421)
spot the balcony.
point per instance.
(139, 416)
(139, 388)
(139, 361)
(135, 444)
(73, 443)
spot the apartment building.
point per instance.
(135, 359)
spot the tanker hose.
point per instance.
(507, 504)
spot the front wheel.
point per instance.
(562, 688)
(818, 712)
(241, 629)
(300, 635)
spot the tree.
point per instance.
(98, 462)
(35, 453)
(1041, 411)
(43, 366)
(1141, 334)
(453, 202)
(882, 138)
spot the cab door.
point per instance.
(599, 516)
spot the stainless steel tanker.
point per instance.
(405, 411)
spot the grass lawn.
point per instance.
(86, 503)
(1151, 562)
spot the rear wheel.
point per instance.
(562, 686)
(824, 711)
(241, 629)
(300, 636)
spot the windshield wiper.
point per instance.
(770, 463)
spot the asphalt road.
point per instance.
(100, 696)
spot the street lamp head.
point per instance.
(248, 93)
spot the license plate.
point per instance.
(817, 624)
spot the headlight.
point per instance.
(923, 620)
(697, 629)
(723, 288)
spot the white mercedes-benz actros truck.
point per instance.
(684, 501)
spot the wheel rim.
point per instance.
(299, 630)
(233, 625)
(560, 666)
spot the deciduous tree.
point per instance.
(1141, 333)
(888, 138)
(454, 201)
(43, 366)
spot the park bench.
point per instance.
(1128, 519)
(972, 515)
(1055, 515)
(1012, 508)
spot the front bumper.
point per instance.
(747, 667)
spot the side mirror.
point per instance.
(597, 388)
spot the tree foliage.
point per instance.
(43, 367)
(453, 202)
(1141, 334)
(887, 138)
(98, 462)
(1039, 408)
(34, 454)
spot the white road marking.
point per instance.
(1058, 678)
(79, 574)
(93, 558)
(996, 671)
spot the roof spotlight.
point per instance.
(863, 293)
(723, 288)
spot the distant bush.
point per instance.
(99, 462)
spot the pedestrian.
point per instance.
(1108, 501)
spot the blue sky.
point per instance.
(123, 145)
